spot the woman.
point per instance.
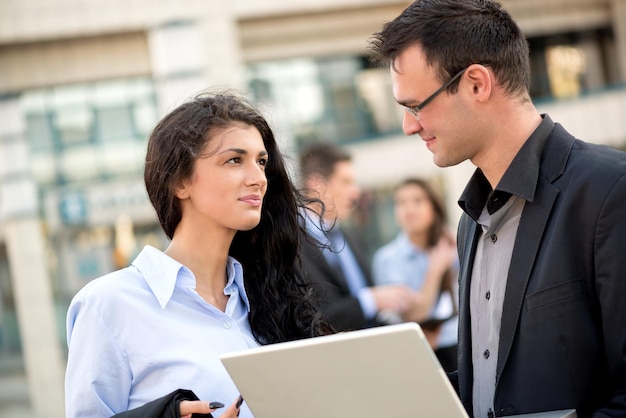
(229, 280)
(423, 257)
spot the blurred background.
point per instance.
(82, 83)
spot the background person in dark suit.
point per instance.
(541, 241)
(333, 259)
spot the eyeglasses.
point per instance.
(414, 110)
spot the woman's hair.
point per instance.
(438, 227)
(454, 34)
(281, 302)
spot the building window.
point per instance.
(568, 65)
(90, 131)
(337, 99)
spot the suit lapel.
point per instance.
(524, 253)
(318, 266)
(529, 233)
(468, 234)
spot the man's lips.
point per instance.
(429, 141)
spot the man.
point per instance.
(332, 258)
(541, 241)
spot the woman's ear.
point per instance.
(181, 191)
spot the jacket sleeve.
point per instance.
(610, 266)
(164, 407)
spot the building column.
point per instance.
(619, 30)
(28, 266)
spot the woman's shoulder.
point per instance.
(116, 284)
(393, 248)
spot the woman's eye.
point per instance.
(234, 160)
(263, 162)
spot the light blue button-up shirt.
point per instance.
(401, 262)
(141, 332)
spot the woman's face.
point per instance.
(414, 211)
(228, 182)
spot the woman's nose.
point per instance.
(256, 176)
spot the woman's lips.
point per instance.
(254, 200)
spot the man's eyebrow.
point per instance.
(407, 103)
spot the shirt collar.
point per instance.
(162, 273)
(519, 179)
(317, 227)
(406, 247)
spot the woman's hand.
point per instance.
(187, 408)
(441, 257)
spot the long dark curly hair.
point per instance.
(281, 301)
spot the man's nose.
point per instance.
(410, 124)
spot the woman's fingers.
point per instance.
(233, 409)
(194, 407)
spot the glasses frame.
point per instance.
(414, 110)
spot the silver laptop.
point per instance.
(388, 371)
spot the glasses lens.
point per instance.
(413, 111)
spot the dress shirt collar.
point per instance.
(406, 248)
(317, 227)
(162, 273)
(520, 178)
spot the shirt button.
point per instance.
(227, 324)
(486, 354)
(490, 413)
(488, 295)
(494, 238)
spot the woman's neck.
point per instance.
(419, 239)
(206, 255)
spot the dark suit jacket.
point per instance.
(342, 310)
(563, 332)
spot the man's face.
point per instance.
(443, 124)
(341, 192)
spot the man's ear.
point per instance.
(315, 182)
(481, 81)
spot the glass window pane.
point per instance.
(566, 65)
(122, 159)
(319, 99)
(79, 164)
(145, 118)
(69, 96)
(43, 169)
(34, 101)
(110, 93)
(114, 123)
(74, 125)
(39, 133)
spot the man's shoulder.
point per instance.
(567, 156)
(596, 163)
(599, 152)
